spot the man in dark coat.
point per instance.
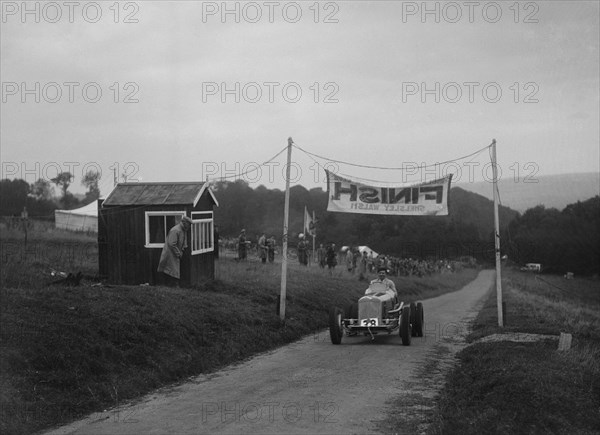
(321, 256)
(173, 251)
(302, 250)
(242, 254)
(331, 257)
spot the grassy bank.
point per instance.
(28, 263)
(510, 387)
(68, 351)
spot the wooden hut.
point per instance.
(134, 220)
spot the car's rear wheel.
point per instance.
(413, 318)
(335, 325)
(419, 321)
(405, 330)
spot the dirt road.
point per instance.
(310, 386)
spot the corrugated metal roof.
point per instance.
(154, 193)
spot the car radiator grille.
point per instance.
(369, 308)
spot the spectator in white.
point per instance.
(371, 262)
(363, 266)
(382, 278)
(173, 251)
(350, 260)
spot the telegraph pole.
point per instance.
(286, 215)
(497, 237)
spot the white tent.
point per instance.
(368, 250)
(361, 249)
(80, 219)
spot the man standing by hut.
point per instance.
(173, 251)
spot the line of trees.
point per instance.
(39, 197)
(562, 241)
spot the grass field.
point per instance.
(68, 351)
(529, 388)
(28, 264)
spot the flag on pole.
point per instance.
(309, 223)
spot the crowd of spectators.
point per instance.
(360, 263)
(365, 262)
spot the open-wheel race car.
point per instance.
(377, 312)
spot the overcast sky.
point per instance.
(369, 73)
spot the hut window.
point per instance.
(202, 232)
(158, 224)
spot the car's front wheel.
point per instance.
(413, 320)
(405, 330)
(419, 320)
(336, 331)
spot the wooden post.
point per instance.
(564, 342)
(286, 215)
(497, 237)
(24, 217)
(314, 235)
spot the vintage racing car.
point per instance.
(377, 312)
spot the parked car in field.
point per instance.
(532, 267)
(377, 312)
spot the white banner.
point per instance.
(421, 199)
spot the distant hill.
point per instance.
(469, 224)
(473, 209)
(551, 191)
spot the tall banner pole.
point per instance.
(314, 231)
(286, 215)
(497, 237)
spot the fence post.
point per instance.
(564, 342)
